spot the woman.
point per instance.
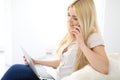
(82, 45)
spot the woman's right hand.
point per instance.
(25, 60)
(34, 61)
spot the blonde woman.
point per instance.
(82, 45)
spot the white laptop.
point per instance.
(43, 73)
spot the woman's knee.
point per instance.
(17, 67)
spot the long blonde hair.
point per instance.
(86, 13)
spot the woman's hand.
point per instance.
(79, 35)
(26, 62)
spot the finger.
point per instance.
(75, 31)
(23, 56)
(80, 30)
(26, 62)
(77, 28)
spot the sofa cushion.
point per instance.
(88, 73)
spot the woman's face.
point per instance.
(72, 19)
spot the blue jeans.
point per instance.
(20, 72)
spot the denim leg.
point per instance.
(19, 72)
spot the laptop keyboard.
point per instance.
(42, 72)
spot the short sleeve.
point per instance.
(94, 40)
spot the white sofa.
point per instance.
(88, 73)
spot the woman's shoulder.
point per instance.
(96, 34)
(95, 39)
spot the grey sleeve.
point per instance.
(94, 40)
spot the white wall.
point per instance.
(38, 26)
(1, 25)
(21, 20)
(100, 9)
(112, 26)
(6, 29)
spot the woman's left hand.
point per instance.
(77, 31)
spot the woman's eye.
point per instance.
(75, 19)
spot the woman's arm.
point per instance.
(50, 63)
(97, 58)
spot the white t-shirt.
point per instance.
(67, 63)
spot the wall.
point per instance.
(1, 25)
(6, 30)
(112, 26)
(38, 26)
(100, 9)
